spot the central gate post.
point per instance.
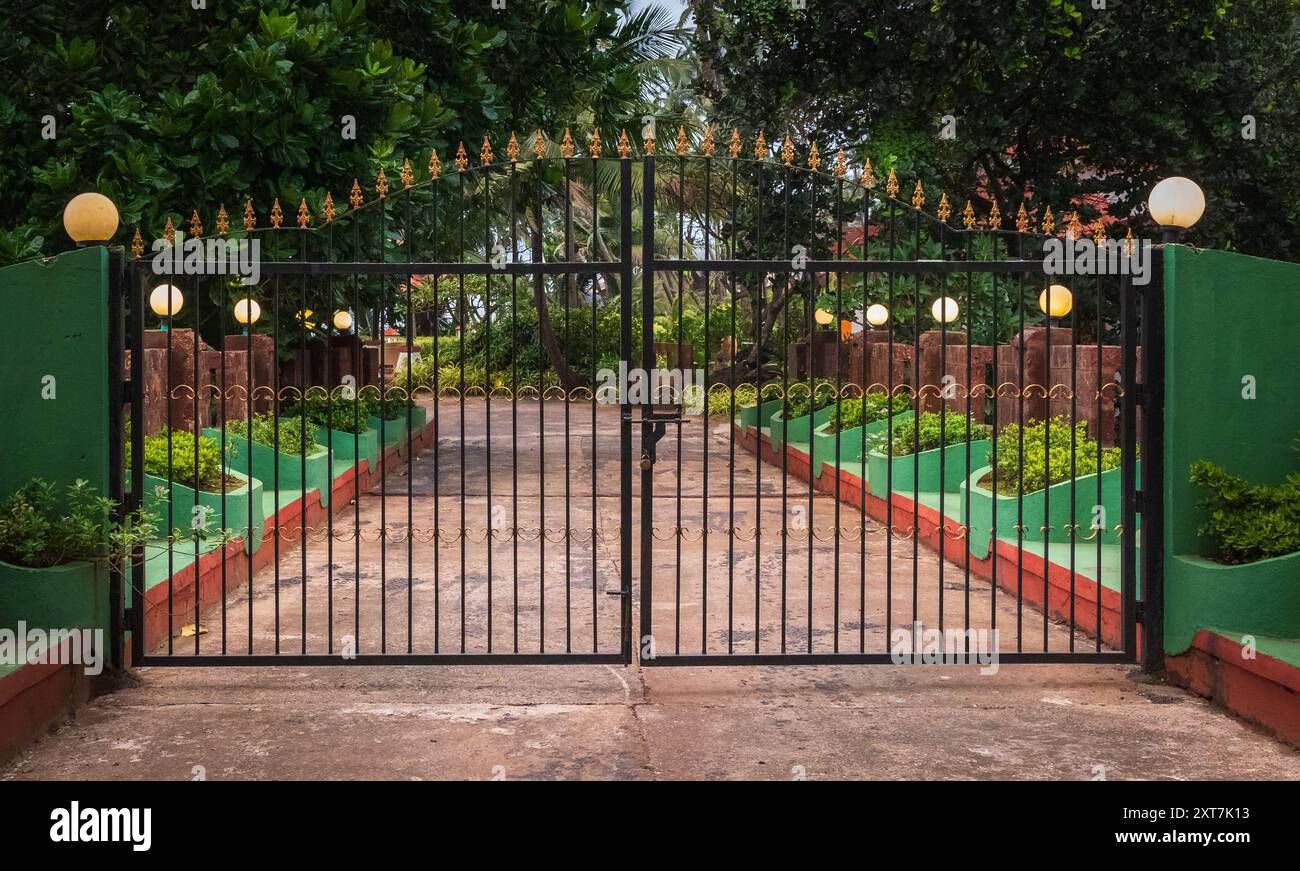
(647, 362)
(626, 278)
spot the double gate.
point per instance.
(686, 409)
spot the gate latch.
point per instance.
(650, 441)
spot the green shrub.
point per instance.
(180, 470)
(1031, 475)
(720, 399)
(1248, 522)
(804, 400)
(877, 405)
(37, 531)
(291, 438)
(935, 430)
(335, 412)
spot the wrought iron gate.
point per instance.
(357, 499)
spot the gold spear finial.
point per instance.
(841, 165)
(277, 215)
(1075, 228)
(223, 220)
(169, 232)
(918, 196)
(787, 150)
(1099, 235)
(1049, 224)
(462, 159)
(196, 225)
(648, 142)
(995, 217)
(304, 217)
(137, 244)
(891, 185)
(733, 149)
(329, 207)
(354, 198)
(566, 145)
(624, 145)
(968, 217)
(1022, 220)
(539, 145)
(868, 177)
(250, 217)
(760, 147)
(1128, 242)
(681, 144)
(485, 153)
(814, 158)
(707, 146)
(381, 184)
(512, 149)
(435, 166)
(408, 177)
(945, 210)
(594, 146)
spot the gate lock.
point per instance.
(650, 441)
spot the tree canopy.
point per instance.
(167, 109)
(1061, 102)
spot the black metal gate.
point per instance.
(411, 437)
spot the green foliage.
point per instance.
(877, 407)
(160, 109)
(332, 412)
(1248, 522)
(1028, 77)
(935, 431)
(40, 529)
(180, 470)
(720, 399)
(291, 437)
(805, 399)
(1043, 451)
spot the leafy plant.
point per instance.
(931, 430)
(875, 406)
(1044, 451)
(291, 433)
(805, 399)
(332, 412)
(179, 466)
(1248, 522)
(38, 530)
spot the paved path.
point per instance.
(1067, 722)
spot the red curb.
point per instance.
(1263, 690)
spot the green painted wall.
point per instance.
(56, 324)
(1226, 316)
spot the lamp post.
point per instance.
(166, 300)
(1176, 204)
(1056, 302)
(90, 219)
(247, 311)
(945, 310)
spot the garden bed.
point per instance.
(265, 462)
(799, 429)
(244, 507)
(68, 596)
(850, 440)
(349, 446)
(1050, 507)
(932, 471)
